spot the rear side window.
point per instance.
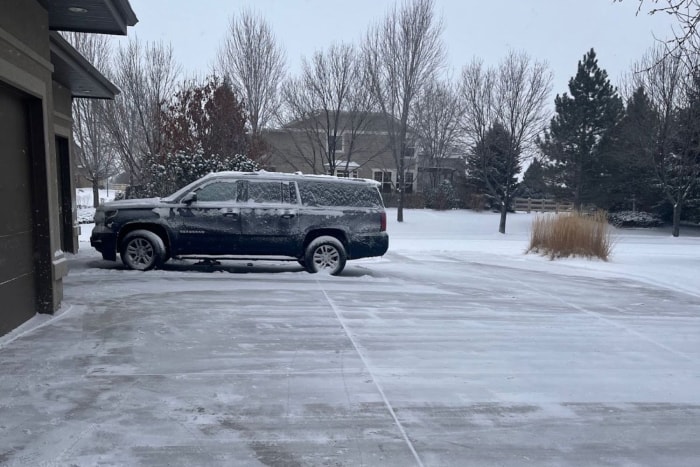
(321, 193)
(270, 192)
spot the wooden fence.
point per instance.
(541, 205)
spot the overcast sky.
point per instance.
(558, 31)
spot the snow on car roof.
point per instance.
(282, 175)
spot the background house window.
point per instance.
(385, 179)
(338, 139)
(346, 173)
(410, 152)
(408, 182)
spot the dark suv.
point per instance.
(319, 221)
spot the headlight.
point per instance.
(99, 217)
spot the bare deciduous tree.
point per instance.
(514, 95)
(437, 121)
(147, 76)
(402, 53)
(327, 107)
(669, 81)
(92, 146)
(687, 15)
(254, 63)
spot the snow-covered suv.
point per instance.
(319, 221)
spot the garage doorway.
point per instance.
(65, 199)
(25, 258)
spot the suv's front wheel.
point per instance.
(142, 250)
(325, 254)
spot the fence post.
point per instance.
(529, 204)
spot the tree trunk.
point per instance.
(504, 213)
(399, 182)
(95, 192)
(677, 219)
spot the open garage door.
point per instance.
(17, 275)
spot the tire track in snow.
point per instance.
(336, 310)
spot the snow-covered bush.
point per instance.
(442, 197)
(634, 219)
(166, 174)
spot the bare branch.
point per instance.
(251, 59)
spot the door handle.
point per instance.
(287, 216)
(232, 215)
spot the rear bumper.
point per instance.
(365, 246)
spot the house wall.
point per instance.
(293, 150)
(26, 74)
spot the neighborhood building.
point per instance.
(357, 147)
(40, 75)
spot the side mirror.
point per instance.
(189, 198)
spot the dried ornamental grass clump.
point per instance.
(572, 234)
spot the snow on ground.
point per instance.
(652, 256)
(649, 255)
(456, 348)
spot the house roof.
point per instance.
(99, 16)
(370, 122)
(73, 71)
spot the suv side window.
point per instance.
(264, 192)
(322, 193)
(223, 190)
(270, 192)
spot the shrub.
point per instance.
(442, 197)
(571, 234)
(634, 219)
(172, 171)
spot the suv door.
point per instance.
(270, 218)
(211, 224)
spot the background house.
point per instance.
(355, 145)
(40, 74)
(358, 146)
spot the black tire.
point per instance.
(325, 254)
(142, 250)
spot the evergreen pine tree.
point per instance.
(572, 142)
(493, 167)
(534, 184)
(628, 152)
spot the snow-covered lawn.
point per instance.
(455, 348)
(84, 202)
(649, 255)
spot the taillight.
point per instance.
(383, 221)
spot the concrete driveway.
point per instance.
(428, 360)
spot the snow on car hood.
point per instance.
(134, 203)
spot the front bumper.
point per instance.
(104, 240)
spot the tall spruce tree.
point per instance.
(628, 151)
(493, 166)
(534, 184)
(572, 142)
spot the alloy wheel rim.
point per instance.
(326, 257)
(140, 251)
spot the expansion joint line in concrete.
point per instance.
(371, 374)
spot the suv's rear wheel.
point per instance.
(142, 250)
(325, 254)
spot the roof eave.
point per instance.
(73, 71)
